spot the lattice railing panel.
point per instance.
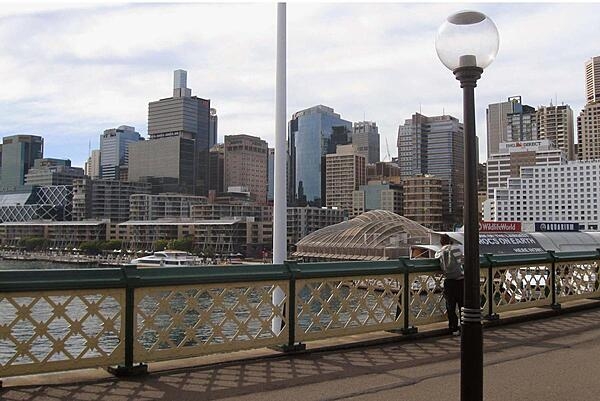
(518, 287)
(579, 279)
(426, 298)
(347, 305)
(60, 330)
(185, 321)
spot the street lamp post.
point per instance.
(466, 43)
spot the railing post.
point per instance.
(554, 305)
(128, 369)
(407, 329)
(291, 346)
(490, 290)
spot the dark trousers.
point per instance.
(454, 294)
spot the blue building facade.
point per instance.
(309, 140)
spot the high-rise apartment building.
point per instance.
(177, 149)
(592, 80)
(345, 172)
(309, 140)
(555, 123)
(365, 139)
(104, 199)
(588, 132)
(508, 122)
(18, 153)
(114, 150)
(588, 121)
(435, 146)
(245, 165)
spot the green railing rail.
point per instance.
(116, 311)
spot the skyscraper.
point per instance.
(435, 146)
(18, 153)
(310, 137)
(555, 123)
(521, 123)
(181, 125)
(245, 164)
(588, 121)
(114, 150)
(212, 128)
(592, 80)
(509, 121)
(365, 139)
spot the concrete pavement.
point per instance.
(551, 359)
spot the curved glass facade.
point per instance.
(310, 131)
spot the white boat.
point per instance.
(167, 258)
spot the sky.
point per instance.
(69, 71)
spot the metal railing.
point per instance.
(54, 320)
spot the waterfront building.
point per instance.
(512, 156)
(52, 202)
(176, 154)
(18, 153)
(374, 235)
(365, 139)
(555, 123)
(114, 150)
(246, 164)
(588, 132)
(345, 172)
(92, 165)
(104, 199)
(216, 211)
(592, 80)
(377, 196)
(152, 207)
(422, 202)
(60, 234)
(47, 172)
(435, 146)
(309, 141)
(565, 192)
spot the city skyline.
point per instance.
(87, 68)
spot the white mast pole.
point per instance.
(280, 199)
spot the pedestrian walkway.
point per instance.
(550, 359)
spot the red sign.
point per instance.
(499, 226)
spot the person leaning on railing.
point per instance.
(451, 263)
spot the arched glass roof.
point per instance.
(374, 235)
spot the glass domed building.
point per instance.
(374, 235)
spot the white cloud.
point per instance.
(72, 71)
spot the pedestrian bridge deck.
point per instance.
(525, 358)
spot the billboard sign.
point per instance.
(499, 226)
(556, 227)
